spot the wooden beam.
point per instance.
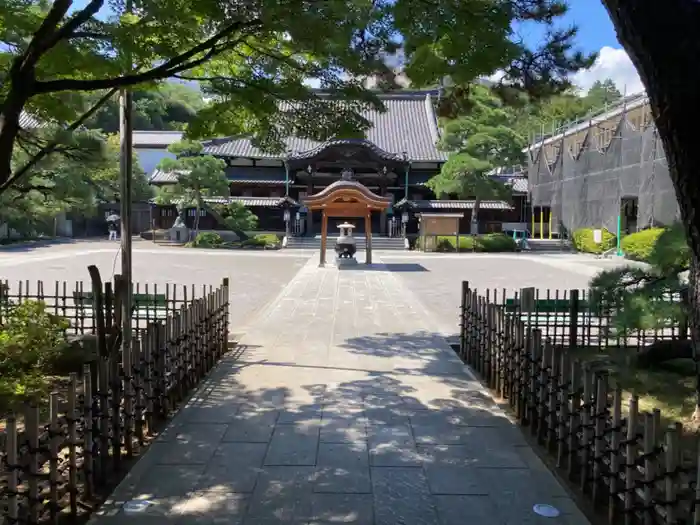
(368, 237)
(324, 236)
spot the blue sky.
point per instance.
(595, 29)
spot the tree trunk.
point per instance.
(694, 326)
(474, 223)
(196, 219)
(668, 68)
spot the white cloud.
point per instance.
(613, 63)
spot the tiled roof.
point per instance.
(409, 124)
(237, 174)
(267, 202)
(455, 205)
(517, 184)
(163, 177)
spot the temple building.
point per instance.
(395, 160)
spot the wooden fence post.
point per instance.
(649, 470)
(543, 394)
(31, 421)
(573, 319)
(533, 393)
(601, 407)
(13, 467)
(227, 300)
(564, 403)
(575, 420)
(586, 427)
(463, 319)
(615, 441)
(55, 441)
(670, 481)
(631, 460)
(72, 443)
(89, 421)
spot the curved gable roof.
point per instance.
(408, 125)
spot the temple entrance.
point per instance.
(349, 200)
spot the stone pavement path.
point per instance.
(343, 407)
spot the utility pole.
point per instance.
(126, 171)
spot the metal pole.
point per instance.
(126, 169)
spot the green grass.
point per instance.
(668, 386)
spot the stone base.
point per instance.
(345, 262)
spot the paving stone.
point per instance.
(209, 412)
(461, 510)
(305, 414)
(392, 446)
(234, 467)
(343, 468)
(401, 495)
(333, 509)
(252, 426)
(159, 481)
(345, 398)
(205, 507)
(282, 495)
(343, 431)
(293, 445)
(191, 432)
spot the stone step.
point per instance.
(549, 245)
(378, 243)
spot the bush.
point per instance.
(207, 240)
(583, 241)
(671, 252)
(270, 239)
(32, 342)
(640, 245)
(262, 240)
(490, 242)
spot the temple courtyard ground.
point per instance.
(343, 402)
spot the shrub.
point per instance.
(671, 252)
(490, 242)
(583, 241)
(207, 240)
(639, 246)
(269, 239)
(32, 341)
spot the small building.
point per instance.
(395, 160)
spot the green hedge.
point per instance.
(583, 241)
(262, 240)
(490, 242)
(640, 245)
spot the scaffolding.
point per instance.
(609, 172)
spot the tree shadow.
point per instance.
(32, 245)
(355, 445)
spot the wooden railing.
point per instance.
(618, 457)
(53, 465)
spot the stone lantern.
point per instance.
(345, 245)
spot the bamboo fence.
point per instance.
(575, 318)
(50, 470)
(623, 462)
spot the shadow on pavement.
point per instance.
(407, 438)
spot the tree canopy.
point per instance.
(170, 106)
(198, 176)
(479, 142)
(75, 180)
(251, 57)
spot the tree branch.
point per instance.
(53, 145)
(181, 62)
